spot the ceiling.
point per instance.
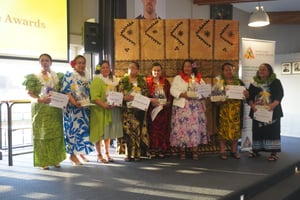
(279, 11)
(270, 6)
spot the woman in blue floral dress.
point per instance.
(76, 116)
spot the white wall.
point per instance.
(290, 102)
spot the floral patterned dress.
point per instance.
(188, 122)
(47, 126)
(76, 120)
(135, 137)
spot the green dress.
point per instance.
(100, 117)
(47, 127)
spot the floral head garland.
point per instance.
(73, 63)
(98, 67)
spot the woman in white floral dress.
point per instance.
(188, 122)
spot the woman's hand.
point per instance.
(128, 97)
(154, 101)
(44, 100)
(273, 105)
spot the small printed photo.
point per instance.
(286, 68)
(296, 67)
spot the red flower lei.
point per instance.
(152, 85)
(187, 78)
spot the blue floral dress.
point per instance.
(76, 120)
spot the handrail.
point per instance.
(10, 104)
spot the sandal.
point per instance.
(253, 154)
(101, 159)
(195, 156)
(128, 159)
(182, 156)
(235, 155)
(161, 155)
(273, 157)
(109, 159)
(223, 156)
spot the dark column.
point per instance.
(108, 11)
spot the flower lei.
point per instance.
(187, 78)
(152, 85)
(268, 81)
(51, 81)
(236, 80)
(107, 80)
(129, 86)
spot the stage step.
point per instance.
(283, 190)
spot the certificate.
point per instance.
(204, 90)
(235, 91)
(58, 100)
(115, 98)
(263, 115)
(141, 102)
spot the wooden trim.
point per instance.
(291, 17)
(209, 2)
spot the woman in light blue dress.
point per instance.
(77, 113)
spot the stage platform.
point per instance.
(157, 179)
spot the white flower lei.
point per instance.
(51, 81)
(113, 82)
(76, 76)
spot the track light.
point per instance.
(259, 17)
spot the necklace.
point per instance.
(49, 79)
(268, 81)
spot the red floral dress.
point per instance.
(159, 128)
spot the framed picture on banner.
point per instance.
(286, 68)
(296, 67)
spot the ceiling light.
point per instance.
(259, 18)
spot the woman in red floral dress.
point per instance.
(159, 113)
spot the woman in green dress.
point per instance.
(47, 121)
(105, 121)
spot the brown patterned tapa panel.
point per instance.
(152, 39)
(201, 39)
(127, 43)
(177, 39)
(226, 45)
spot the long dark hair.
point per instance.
(194, 69)
(269, 68)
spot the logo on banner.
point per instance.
(249, 53)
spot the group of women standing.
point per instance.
(174, 119)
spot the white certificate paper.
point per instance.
(141, 102)
(263, 115)
(59, 100)
(235, 91)
(204, 90)
(115, 98)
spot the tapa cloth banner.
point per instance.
(254, 52)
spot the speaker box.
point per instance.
(91, 37)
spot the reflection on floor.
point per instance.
(154, 179)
